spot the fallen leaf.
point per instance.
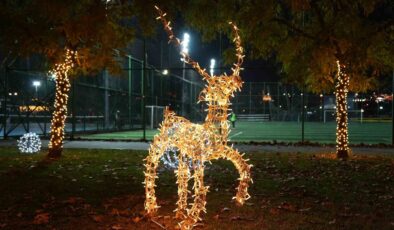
(116, 227)
(286, 206)
(233, 218)
(73, 200)
(41, 218)
(136, 219)
(274, 211)
(304, 209)
(114, 212)
(98, 218)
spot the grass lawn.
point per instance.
(367, 132)
(102, 189)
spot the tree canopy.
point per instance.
(308, 36)
(95, 28)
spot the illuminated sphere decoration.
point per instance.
(29, 143)
(171, 161)
(192, 145)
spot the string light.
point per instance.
(198, 142)
(341, 91)
(29, 143)
(61, 98)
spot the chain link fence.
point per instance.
(98, 103)
(135, 98)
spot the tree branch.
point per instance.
(319, 15)
(295, 28)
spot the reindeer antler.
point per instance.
(239, 50)
(177, 42)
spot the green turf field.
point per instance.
(368, 132)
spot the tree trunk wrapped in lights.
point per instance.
(61, 71)
(198, 142)
(341, 91)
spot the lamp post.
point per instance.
(185, 50)
(36, 84)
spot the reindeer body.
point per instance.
(198, 142)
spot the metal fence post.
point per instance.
(303, 114)
(5, 103)
(130, 91)
(84, 123)
(73, 110)
(106, 100)
(250, 97)
(392, 111)
(143, 92)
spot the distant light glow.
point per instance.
(212, 66)
(36, 83)
(185, 43)
(165, 72)
(52, 75)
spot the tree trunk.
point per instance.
(61, 98)
(341, 91)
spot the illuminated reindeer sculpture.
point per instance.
(198, 143)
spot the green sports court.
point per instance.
(318, 132)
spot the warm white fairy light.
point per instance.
(341, 91)
(59, 115)
(29, 143)
(198, 142)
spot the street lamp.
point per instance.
(212, 66)
(36, 84)
(185, 51)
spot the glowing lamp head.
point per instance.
(185, 43)
(36, 83)
(212, 66)
(165, 72)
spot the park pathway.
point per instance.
(131, 145)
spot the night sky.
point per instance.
(166, 56)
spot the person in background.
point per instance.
(118, 122)
(233, 119)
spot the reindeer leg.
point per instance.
(244, 173)
(200, 193)
(152, 161)
(183, 175)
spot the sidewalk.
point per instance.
(123, 145)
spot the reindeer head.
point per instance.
(218, 89)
